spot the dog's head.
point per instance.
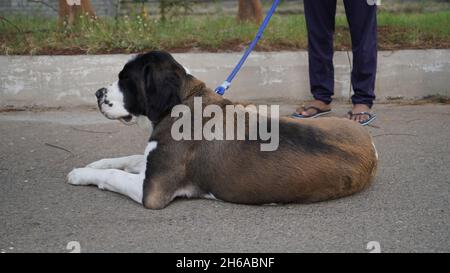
(149, 85)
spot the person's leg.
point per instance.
(320, 22)
(362, 19)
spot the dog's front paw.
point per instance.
(78, 177)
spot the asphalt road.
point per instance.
(405, 210)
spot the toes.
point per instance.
(358, 118)
(73, 177)
(362, 118)
(77, 177)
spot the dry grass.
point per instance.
(23, 35)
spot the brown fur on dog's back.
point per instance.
(318, 159)
(346, 172)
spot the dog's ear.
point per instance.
(162, 88)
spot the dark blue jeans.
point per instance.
(320, 21)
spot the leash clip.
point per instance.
(222, 88)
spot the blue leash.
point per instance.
(226, 84)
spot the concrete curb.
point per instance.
(68, 81)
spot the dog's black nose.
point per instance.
(100, 93)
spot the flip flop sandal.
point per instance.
(366, 122)
(319, 112)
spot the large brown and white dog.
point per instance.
(316, 159)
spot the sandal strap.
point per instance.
(306, 108)
(318, 112)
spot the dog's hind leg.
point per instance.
(118, 181)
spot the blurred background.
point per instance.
(129, 26)
(194, 7)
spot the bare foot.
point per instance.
(311, 111)
(359, 108)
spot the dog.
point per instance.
(316, 160)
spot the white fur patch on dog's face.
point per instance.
(112, 104)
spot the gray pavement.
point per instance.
(405, 210)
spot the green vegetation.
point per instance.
(25, 35)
